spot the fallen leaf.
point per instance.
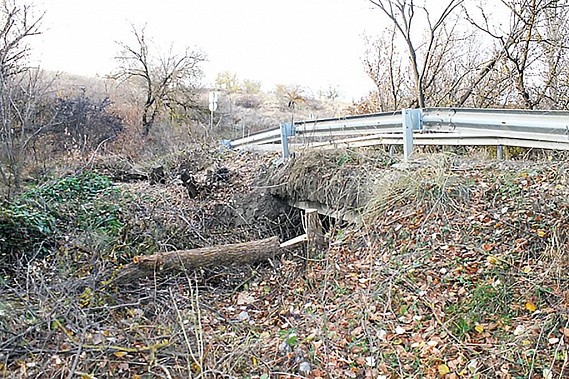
(195, 367)
(316, 372)
(443, 369)
(488, 246)
(119, 354)
(472, 365)
(547, 373)
(350, 374)
(244, 298)
(541, 232)
(479, 328)
(310, 337)
(530, 306)
(553, 340)
(520, 329)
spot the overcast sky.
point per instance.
(314, 43)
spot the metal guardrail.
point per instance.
(363, 124)
(429, 126)
(268, 136)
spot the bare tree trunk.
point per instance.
(481, 75)
(416, 75)
(147, 121)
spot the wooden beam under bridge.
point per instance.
(325, 210)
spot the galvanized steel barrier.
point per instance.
(429, 126)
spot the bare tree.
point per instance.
(169, 79)
(22, 90)
(441, 71)
(493, 60)
(532, 48)
(17, 24)
(384, 65)
(402, 14)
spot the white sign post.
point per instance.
(212, 106)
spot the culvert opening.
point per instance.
(265, 215)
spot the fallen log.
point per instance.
(224, 255)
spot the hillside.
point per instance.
(240, 114)
(457, 269)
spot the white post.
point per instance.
(212, 107)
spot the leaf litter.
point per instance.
(458, 269)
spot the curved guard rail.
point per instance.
(429, 126)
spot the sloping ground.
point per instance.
(459, 269)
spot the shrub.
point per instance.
(248, 101)
(82, 122)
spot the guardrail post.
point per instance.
(412, 120)
(287, 130)
(225, 144)
(500, 152)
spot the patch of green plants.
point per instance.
(23, 226)
(290, 337)
(486, 301)
(82, 187)
(346, 157)
(35, 220)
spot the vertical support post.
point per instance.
(500, 152)
(212, 107)
(225, 144)
(412, 120)
(392, 151)
(287, 130)
(314, 232)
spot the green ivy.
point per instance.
(32, 222)
(82, 187)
